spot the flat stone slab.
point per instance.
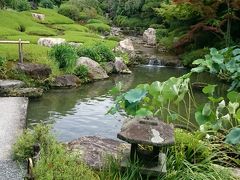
(13, 112)
(95, 150)
(9, 84)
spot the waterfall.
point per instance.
(156, 62)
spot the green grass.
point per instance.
(41, 32)
(71, 27)
(100, 27)
(52, 17)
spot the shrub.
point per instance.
(23, 5)
(100, 27)
(188, 57)
(65, 55)
(2, 61)
(98, 52)
(55, 162)
(70, 11)
(46, 4)
(82, 72)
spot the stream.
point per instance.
(82, 111)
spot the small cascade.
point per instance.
(156, 62)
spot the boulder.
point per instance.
(115, 31)
(25, 92)
(120, 66)
(50, 42)
(66, 81)
(126, 45)
(6, 85)
(39, 17)
(149, 36)
(36, 71)
(95, 71)
(95, 150)
(109, 67)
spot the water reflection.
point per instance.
(82, 111)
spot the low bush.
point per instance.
(82, 72)
(46, 4)
(23, 5)
(98, 52)
(100, 27)
(69, 11)
(188, 57)
(55, 162)
(65, 55)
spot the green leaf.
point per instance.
(155, 88)
(198, 69)
(232, 107)
(144, 112)
(201, 119)
(135, 95)
(198, 61)
(215, 100)
(218, 58)
(117, 89)
(233, 137)
(236, 51)
(206, 109)
(213, 51)
(209, 89)
(233, 96)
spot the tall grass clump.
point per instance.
(54, 161)
(98, 52)
(65, 55)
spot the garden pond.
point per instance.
(83, 111)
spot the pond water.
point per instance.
(82, 111)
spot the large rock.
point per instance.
(39, 17)
(6, 85)
(36, 71)
(126, 45)
(115, 31)
(149, 36)
(109, 67)
(95, 150)
(50, 42)
(25, 92)
(120, 66)
(66, 81)
(95, 71)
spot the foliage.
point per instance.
(97, 52)
(23, 5)
(100, 27)
(156, 99)
(82, 72)
(46, 4)
(65, 55)
(224, 63)
(55, 162)
(189, 56)
(69, 11)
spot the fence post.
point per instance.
(20, 49)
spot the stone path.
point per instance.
(13, 112)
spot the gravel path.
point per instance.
(13, 112)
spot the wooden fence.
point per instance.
(20, 47)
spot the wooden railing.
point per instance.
(20, 47)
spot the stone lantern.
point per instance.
(147, 132)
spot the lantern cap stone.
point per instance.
(147, 131)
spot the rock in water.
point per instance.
(125, 45)
(7, 85)
(95, 71)
(25, 92)
(37, 16)
(120, 66)
(95, 150)
(109, 67)
(36, 71)
(66, 81)
(50, 42)
(149, 36)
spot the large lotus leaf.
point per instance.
(155, 88)
(201, 119)
(233, 137)
(206, 109)
(233, 96)
(236, 52)
(198, 61)
(135, 95)
(198, 69)
(144, 112)
(213, 51)
(218, 58)
(209, 89)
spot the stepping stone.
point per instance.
(10, 84)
